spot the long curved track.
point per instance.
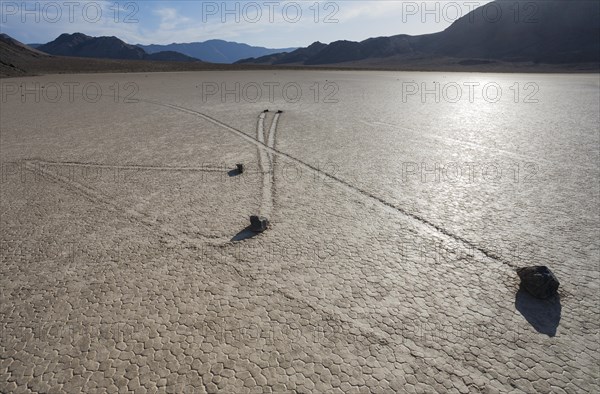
(259, 142)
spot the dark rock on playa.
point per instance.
(258, 224)
(240, 168)
(539, 281)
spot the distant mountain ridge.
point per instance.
(216, 51)
(81, 45)
(559, 32)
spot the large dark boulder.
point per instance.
(539, 281)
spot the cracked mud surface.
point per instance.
(119, 273)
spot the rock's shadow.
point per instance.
(244, 234)
(543, 315)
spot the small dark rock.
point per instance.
(240, 168)
(258, 224)
(280, 112)
(265, 111)
(539, 281)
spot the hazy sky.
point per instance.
(273, 24)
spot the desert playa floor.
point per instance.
(126, 265)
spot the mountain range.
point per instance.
(557, 32)
(18, 59)
(561, 35)
(81, 45)
(215, 51)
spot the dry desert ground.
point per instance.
(127, 265)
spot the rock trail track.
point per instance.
(270, 149)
